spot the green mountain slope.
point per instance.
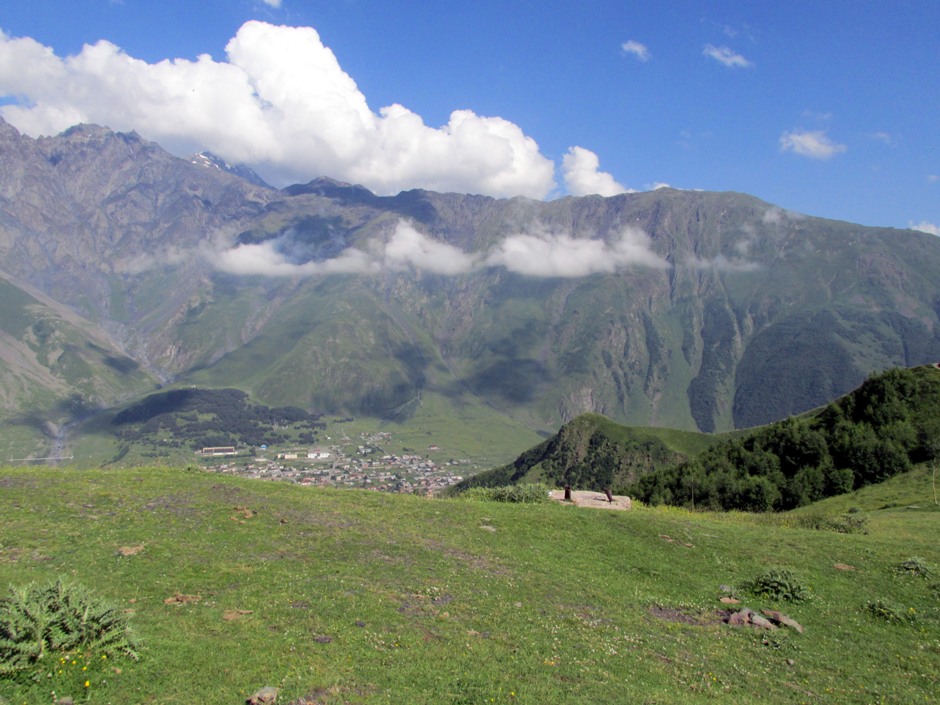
(54, 367)
(593, 452)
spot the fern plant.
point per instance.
(58, 618)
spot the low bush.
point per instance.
(780, 585)
(533, 493)
(851, 523)
(890, 612)
(916, 567)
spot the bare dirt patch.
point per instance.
(595, 500)
(698, 619)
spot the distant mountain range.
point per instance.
(123, 268)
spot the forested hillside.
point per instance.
(876, 432)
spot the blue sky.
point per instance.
(827, 108)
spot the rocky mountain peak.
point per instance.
(208, 160)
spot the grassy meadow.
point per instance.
(341, 596)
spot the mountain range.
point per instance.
(124, 268)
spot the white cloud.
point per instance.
(281, 103)
(925, 227)
(265, 258)
(560, 255)
(409, 248)
(272, 3)
(582, 176)
(883, 137)
(933, 178)
(541, 254)
(640, 51)
(815, 144)
(726, 57)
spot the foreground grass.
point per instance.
(357, 597)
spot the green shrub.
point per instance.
(890, 612)
(780, 585)
(916, 567)
(533, 493)
(852, 523)
(42, 622)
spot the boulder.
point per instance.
(740, 618)
(761, 622)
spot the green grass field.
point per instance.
(355, 597)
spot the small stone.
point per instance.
(791, 662)
(323, 639)
(740, 618)
(730, 600)
(65, 700)
(844, 566)
(265, 695)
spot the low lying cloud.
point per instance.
(726, 57)
(548, 255)
(811, 143)
(280, 103)
(925, 227)
(409, 248)
(268, 259)
(581, 169)
(542, 254)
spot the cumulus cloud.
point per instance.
(812, 143)
(280, 102)
(560, 255)
(581, 169)
(272, 3)
(726, 57)
(636, 49)
(925, 227)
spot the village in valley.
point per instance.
(361, 462)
